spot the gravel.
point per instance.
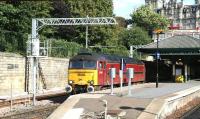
(41, 110)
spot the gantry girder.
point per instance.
(75, 21)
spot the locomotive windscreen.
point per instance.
(82, 64)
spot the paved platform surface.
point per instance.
(141, 96)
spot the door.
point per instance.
(101, 72)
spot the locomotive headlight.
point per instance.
(91, 82)
(70, 82)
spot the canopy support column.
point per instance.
(173, 72)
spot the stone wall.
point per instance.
(54, 71)
(13, 71)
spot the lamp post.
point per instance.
(158, 31)
(157, 76)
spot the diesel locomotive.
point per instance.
(90, 71)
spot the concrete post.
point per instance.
(188, 69)
(34, 79)
(35, 53)
(174, 72)
(186, 73)
(121, 80)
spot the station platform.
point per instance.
(145, 102)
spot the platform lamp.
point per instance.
(157, 32)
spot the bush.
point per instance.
(62, 48)
(115, 51)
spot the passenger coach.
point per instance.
(90, 71)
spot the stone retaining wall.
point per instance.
(55, 72)
(13, 73)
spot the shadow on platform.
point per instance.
(136, 108)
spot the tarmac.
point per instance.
(145, 102)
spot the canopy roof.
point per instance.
(178, 44)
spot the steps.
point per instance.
(42, 76)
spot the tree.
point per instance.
(63, 48)
(78, 9)
(148, 19)
(121, 21)
(15, 22)
(92, 8)
(16, 17)
(134, 36)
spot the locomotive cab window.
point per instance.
(101, 66)
(80, 64)
(90, 64)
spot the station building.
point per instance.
(179, 55)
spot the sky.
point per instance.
(125, 7)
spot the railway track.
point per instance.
(45, 105)
(6, 103)
(41, 112)
(28, 99)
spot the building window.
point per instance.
(184, 21)
(193, 9)
(184, 10)
(193, 21)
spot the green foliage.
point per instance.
(134, 36)
(79, 9)
(62, 48)
(92, 8)
(147, 18)
(15, 25)
(121, 21)
(16, 16)
(119, 50)
(106, 36)
(15, 22)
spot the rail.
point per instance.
(28, 99)
(42, 112)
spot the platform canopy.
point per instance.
(175, 45)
